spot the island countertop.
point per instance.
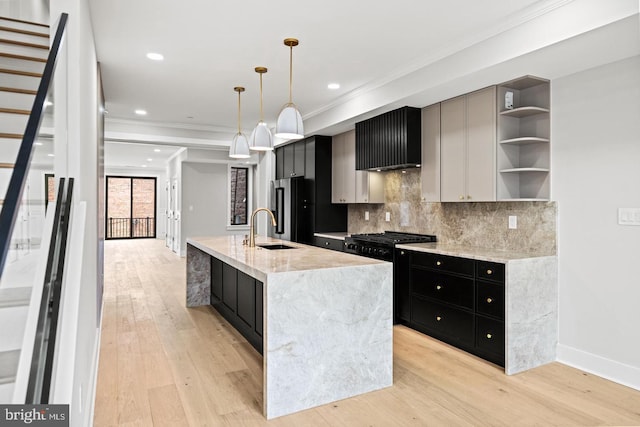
(259, 262)
(323, 318)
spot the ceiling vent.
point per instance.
(389, 141)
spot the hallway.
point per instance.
(163, 364)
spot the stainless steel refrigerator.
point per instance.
(290, 209)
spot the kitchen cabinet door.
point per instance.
(430, 167)
(369, 187)
(452, 150)
(402, 286)
(481, 145)
(468, 147)
(229, 287)
(292, 158)
(247, 299)
(280, 163)
(216, 280)
(343, 163)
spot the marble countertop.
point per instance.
(339, 235)
(259, 262)
(473, 252)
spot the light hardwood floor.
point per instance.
(162, 364)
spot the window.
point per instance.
(239, 196)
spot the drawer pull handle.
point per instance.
(438, 287)
(438, 263)
(401, 252)
(438, 318)
(461, 197)
(489, 272)
(488, 336)
(326, 243)
(489, 300)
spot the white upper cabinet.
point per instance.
(347, 184)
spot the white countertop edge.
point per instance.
(472, 252)
(338, 235)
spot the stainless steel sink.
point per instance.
(276, 246)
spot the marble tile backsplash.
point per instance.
(475, 224)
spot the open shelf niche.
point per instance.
(524, 140)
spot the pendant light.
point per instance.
(239, 146)
(261, 138)
(289, 125)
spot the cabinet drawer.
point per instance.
(334, 244)
(490, 299)
(490, 271)
(443, 287)
(490, 336)
(455, 325)
(446, 263)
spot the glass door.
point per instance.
(131, 207)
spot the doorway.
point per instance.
(131, 207)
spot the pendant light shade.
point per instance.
(261, 138)
(239, 148)
(289, 125)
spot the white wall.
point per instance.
(204, 201)
(161, 194)
(596, 170)
(77, 156)
(27, 10)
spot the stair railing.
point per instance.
(17, 183)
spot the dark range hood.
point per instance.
(389, 141)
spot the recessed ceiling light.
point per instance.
(144, 166)
(141, 112)
(333, 86)
(50, 155)
(149, 160)
(37, 143)
(155, 56)
(157, 150)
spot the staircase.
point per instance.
(24, 47)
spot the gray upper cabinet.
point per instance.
(524, 139)
(468, 147)
(430, 171)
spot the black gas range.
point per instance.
(381, 245)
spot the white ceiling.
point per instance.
(380, 52)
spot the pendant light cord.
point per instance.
(239, 112)
(290, 73)
(261, 115)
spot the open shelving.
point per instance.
(523, 161)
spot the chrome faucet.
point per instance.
(252, 235)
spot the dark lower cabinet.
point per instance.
(229, 287)
(402, 286)
(238, 298)
(456, 300)
(333, 244)
(216, 280)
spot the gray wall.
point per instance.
(204, 201)
(596, 170)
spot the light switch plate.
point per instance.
(629, 216)
(387, 216)
(513, 222)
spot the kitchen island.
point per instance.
(324, 317)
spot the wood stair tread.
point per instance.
(20, 72)
(14, 111)
(10, 135)
(25, 32)
(18, 90)
(26, 44)
(23, 57)
(23, 22)
(15, 297)
(9, 365)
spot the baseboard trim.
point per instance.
(620, 373)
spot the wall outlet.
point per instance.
(387, 216)
(366, 215)
(513, 222)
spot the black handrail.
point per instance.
(18, 179)
(41, 371)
